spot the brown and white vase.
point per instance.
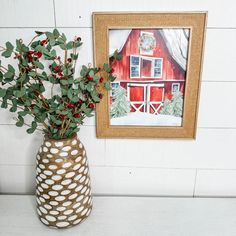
(63, 183)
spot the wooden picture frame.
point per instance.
(151, 75)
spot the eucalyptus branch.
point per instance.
(14, 118)
(12, 105)
(65, 56)
(32, 40)
(26, 85)
(2, 48)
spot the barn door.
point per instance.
(137, 97)
(155, 98)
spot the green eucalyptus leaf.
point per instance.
(64, 82)
(24, 48)
(54, 53)
(35, 44)
(95, 97)
(9, 76)
(4, 104)
(70, 94)
(106, 67)
(82, 85)
(6, 53)
(107, 86)
(1, 76)
(74, 56)
(39, 48)
(39, 32)
(9, 46)
(2, 92)
(11, 69)
(63, 36)
(33, 128)
(32, 74)
(62, 46)
(69, 45)
(56, 33)
(20, 121)
(14, 105)
(38, 64)
(111, 78)
(19, 93)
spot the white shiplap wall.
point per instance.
(202, 167)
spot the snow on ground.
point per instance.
(146, 119)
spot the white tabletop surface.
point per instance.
(128, 216)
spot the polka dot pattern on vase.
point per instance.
(63, 189)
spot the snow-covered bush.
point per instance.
(174, 106)
(120, 105)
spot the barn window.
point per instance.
(145, 67)
(134, 66)
(114, 85)
(175, 87)
(157, 67)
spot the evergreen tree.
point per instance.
(120, 104)
(173, 107)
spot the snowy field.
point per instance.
(146, 119)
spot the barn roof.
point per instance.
(176, 42)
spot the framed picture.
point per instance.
(156, 91)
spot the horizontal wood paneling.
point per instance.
(220, 183)
(219, 62)
(19, 148)
(209, 150)
(213, 148)
(217, 102)
(128, 166)
(80, 14)
(109, 180)
(26, 13)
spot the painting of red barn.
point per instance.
(151, 76)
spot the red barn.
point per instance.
(153, 65)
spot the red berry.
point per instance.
(91, 105)
(38, 54)
(57, 68)
(62, 117)
(69, 60)
(43, 42)
(100, 96)
(80, 102)
(101, 79)
(59, 127)
(112, 70)
(29, 55)
(77, 115)
(89, 78)
(71, 106)
(60, 74)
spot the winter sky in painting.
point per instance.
(151, 76)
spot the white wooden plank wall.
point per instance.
(204, 167)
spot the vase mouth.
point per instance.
(60, 140)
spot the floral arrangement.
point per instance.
(39, 71)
